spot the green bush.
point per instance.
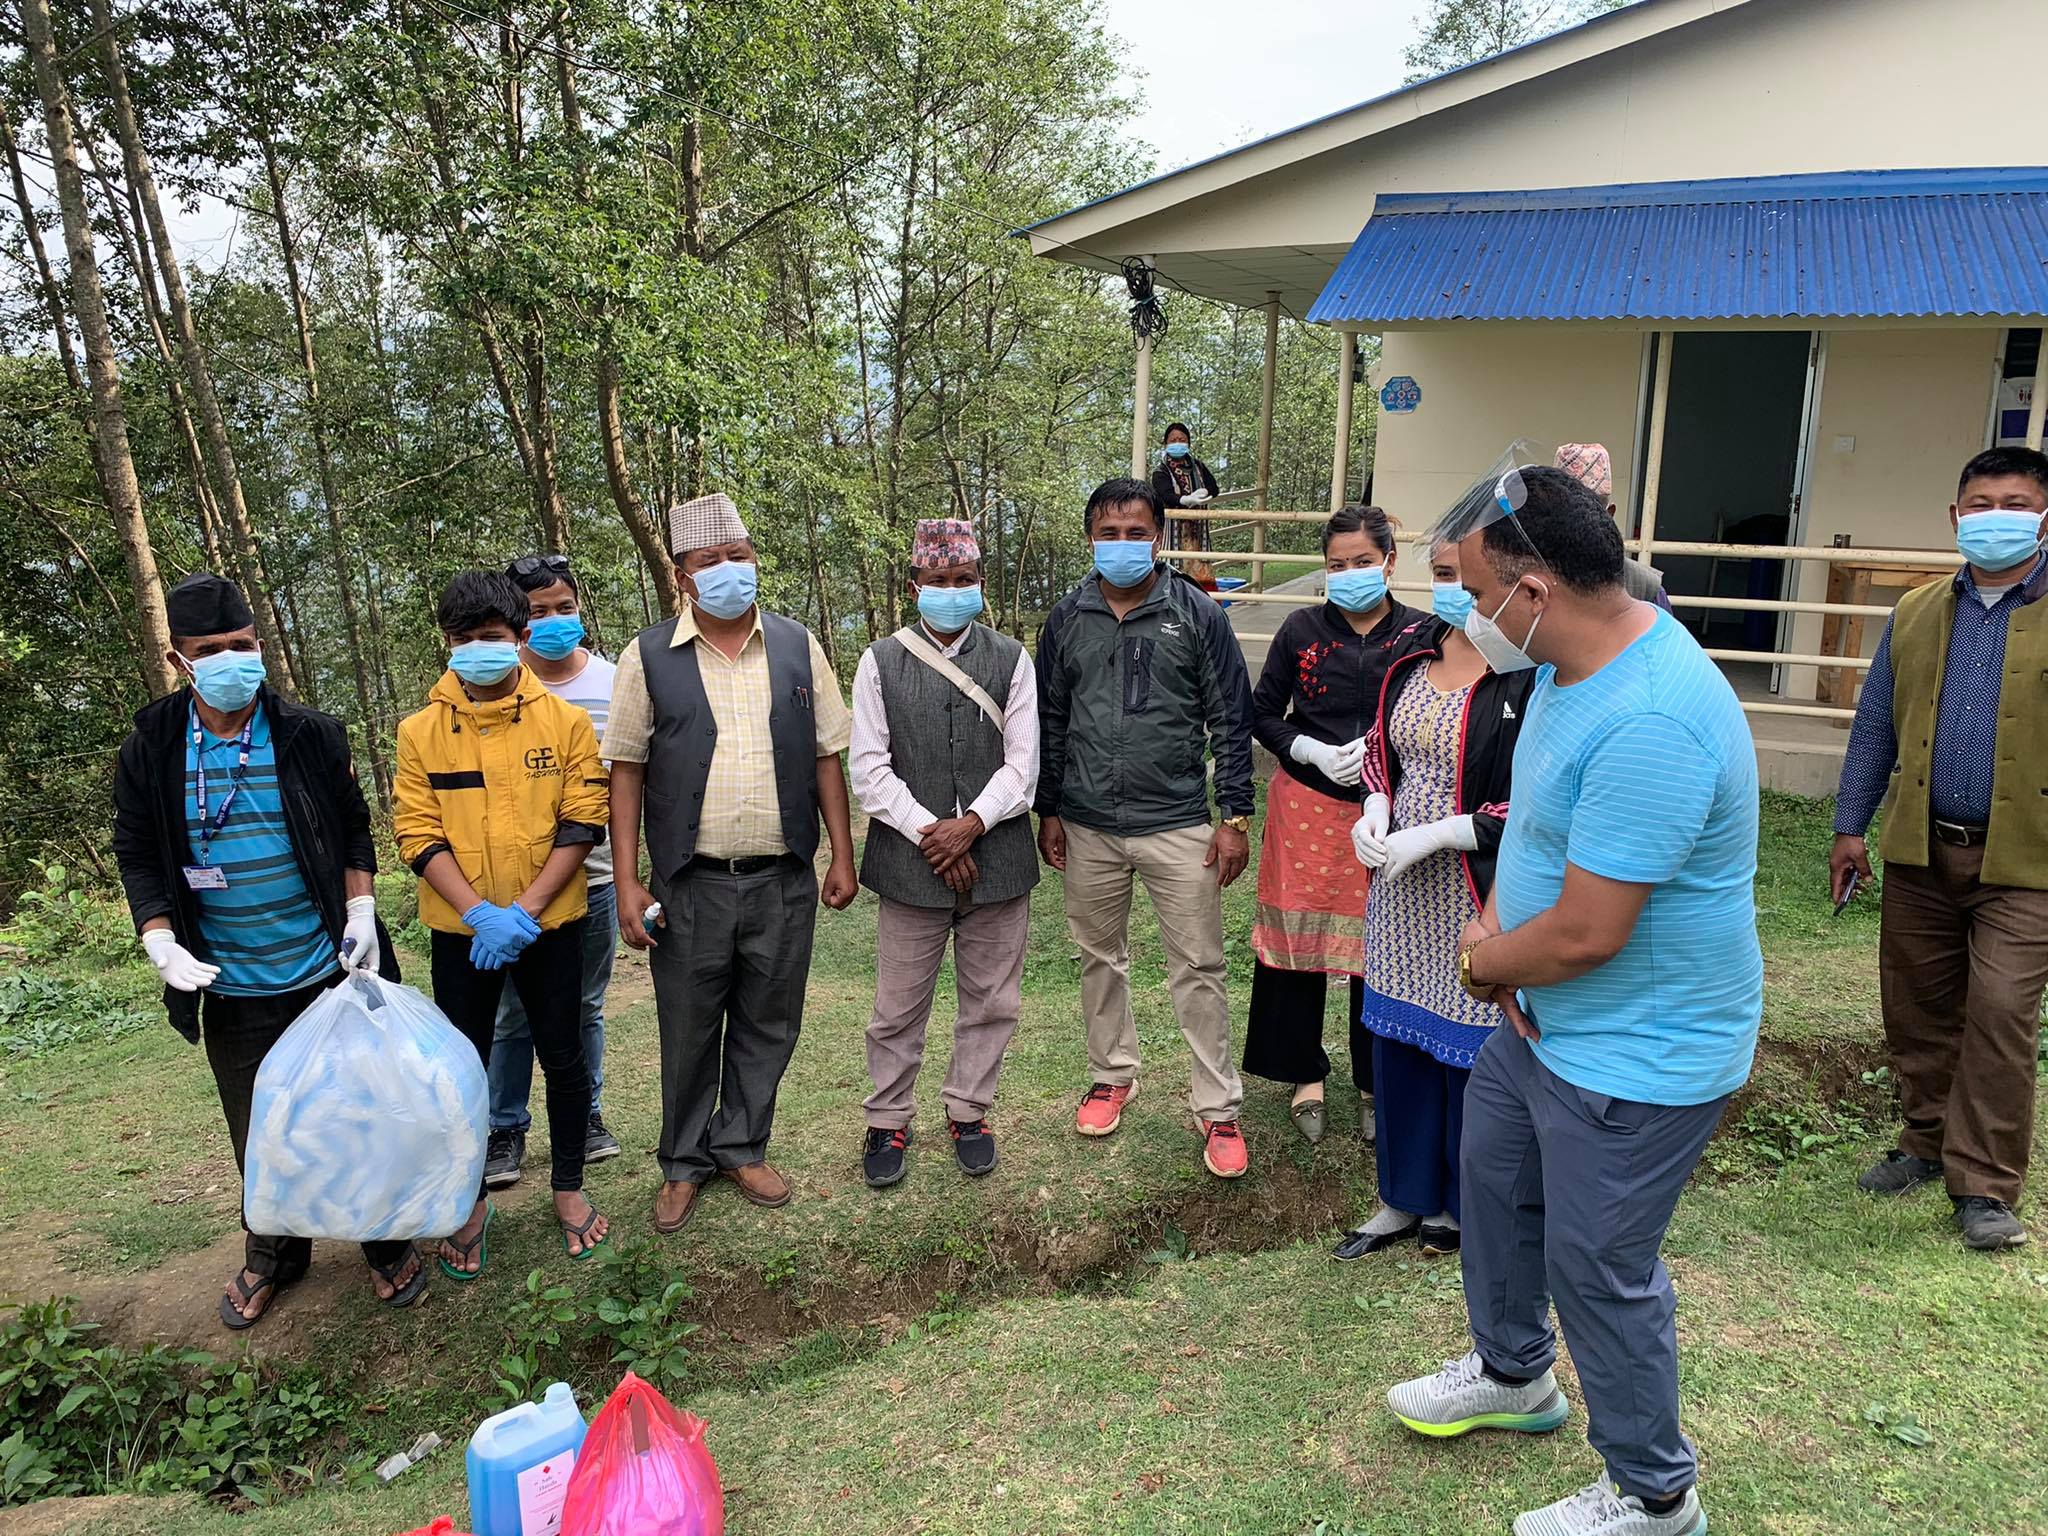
(41, 1012)
(81, 1417)
(64, 919)
(639, 1312)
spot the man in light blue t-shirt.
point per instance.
(1620, 939)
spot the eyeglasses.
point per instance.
(533, 565)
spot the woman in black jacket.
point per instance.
(1312, 707)
(1182, 481)
(1438, 764)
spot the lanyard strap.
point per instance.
(206, 831)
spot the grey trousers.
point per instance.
(1566, 1197)
(729, 973)
(988, 971)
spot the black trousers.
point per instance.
(1283, 1034)
(548, 976)
(729, 974)
(239, 1032)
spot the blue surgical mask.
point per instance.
(1998, 541)
(1176, 450)
(1450, 602)
(727, 590)
(227, 680)
(1123, 562)
(484, 662)
(555, 636)
(948, 609)
(1357, 590)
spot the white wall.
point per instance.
(1916, 402)
(1485, 386)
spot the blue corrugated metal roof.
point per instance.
(1876, 244)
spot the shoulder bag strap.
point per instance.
(931, 656)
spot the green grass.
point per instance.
(1001, 1356)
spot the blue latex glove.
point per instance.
(501, 934)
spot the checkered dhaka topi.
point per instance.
(703, 522)
(1588, 464)
(943, 541)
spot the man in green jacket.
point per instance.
(1140, 679)
(1952, 733)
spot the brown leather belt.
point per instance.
(1956, 835)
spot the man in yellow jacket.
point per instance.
(501, 796)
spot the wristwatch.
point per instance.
(1472, 989)
(1238, 823)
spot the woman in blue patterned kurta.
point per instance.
(1438, 762)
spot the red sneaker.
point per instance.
(1223, 1152)
(1102, 1108)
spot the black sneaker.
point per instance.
(599, 1143)
(881, 1159)
(504, 1156)
(1988, 1224)
(1898, 1173)
(975, 1146)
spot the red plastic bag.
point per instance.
(643, 1471)
(443, 1526)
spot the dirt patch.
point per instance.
(75, 1517)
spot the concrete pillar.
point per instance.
(2038, 411)
(1340, 464)
(1266, 390)
(1141, 411)
(1653, 464)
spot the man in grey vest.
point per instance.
(725, 734)
(945, 763)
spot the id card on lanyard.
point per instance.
(203, 876)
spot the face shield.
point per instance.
(1499, 492)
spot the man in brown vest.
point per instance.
(945, 763)
(725, 733)
(1952, 733)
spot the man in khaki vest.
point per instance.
(1952, 733)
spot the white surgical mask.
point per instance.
(1500, 653)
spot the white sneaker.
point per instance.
(1462, 1397)
(1602, 1509)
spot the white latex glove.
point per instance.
(1341, 765)
(362, 928)
(1411, 845)
(1195, 498)
(181, 970)
(1369, 833)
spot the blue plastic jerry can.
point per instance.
(519, 1463)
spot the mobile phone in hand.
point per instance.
(1849, 891)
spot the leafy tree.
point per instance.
(1460, 32)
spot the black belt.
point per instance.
(756, 864)
(1957, 835)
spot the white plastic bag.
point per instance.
(369, 1120)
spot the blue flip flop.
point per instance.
(480, 1245)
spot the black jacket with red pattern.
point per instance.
(1322, 680)
(1492, 723)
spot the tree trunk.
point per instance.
(337, 532)
(229, 489)
(611, 435)
(110, 415)
(127, 229)
(46, 277)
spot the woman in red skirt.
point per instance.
(1316, 698)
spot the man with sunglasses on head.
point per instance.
(1620, 941)
(556, 654)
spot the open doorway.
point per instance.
(1734, 428)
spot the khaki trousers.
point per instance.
(1961, 966)
(1190, 907)
(988, 974)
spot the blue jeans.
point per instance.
(512, 1046)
